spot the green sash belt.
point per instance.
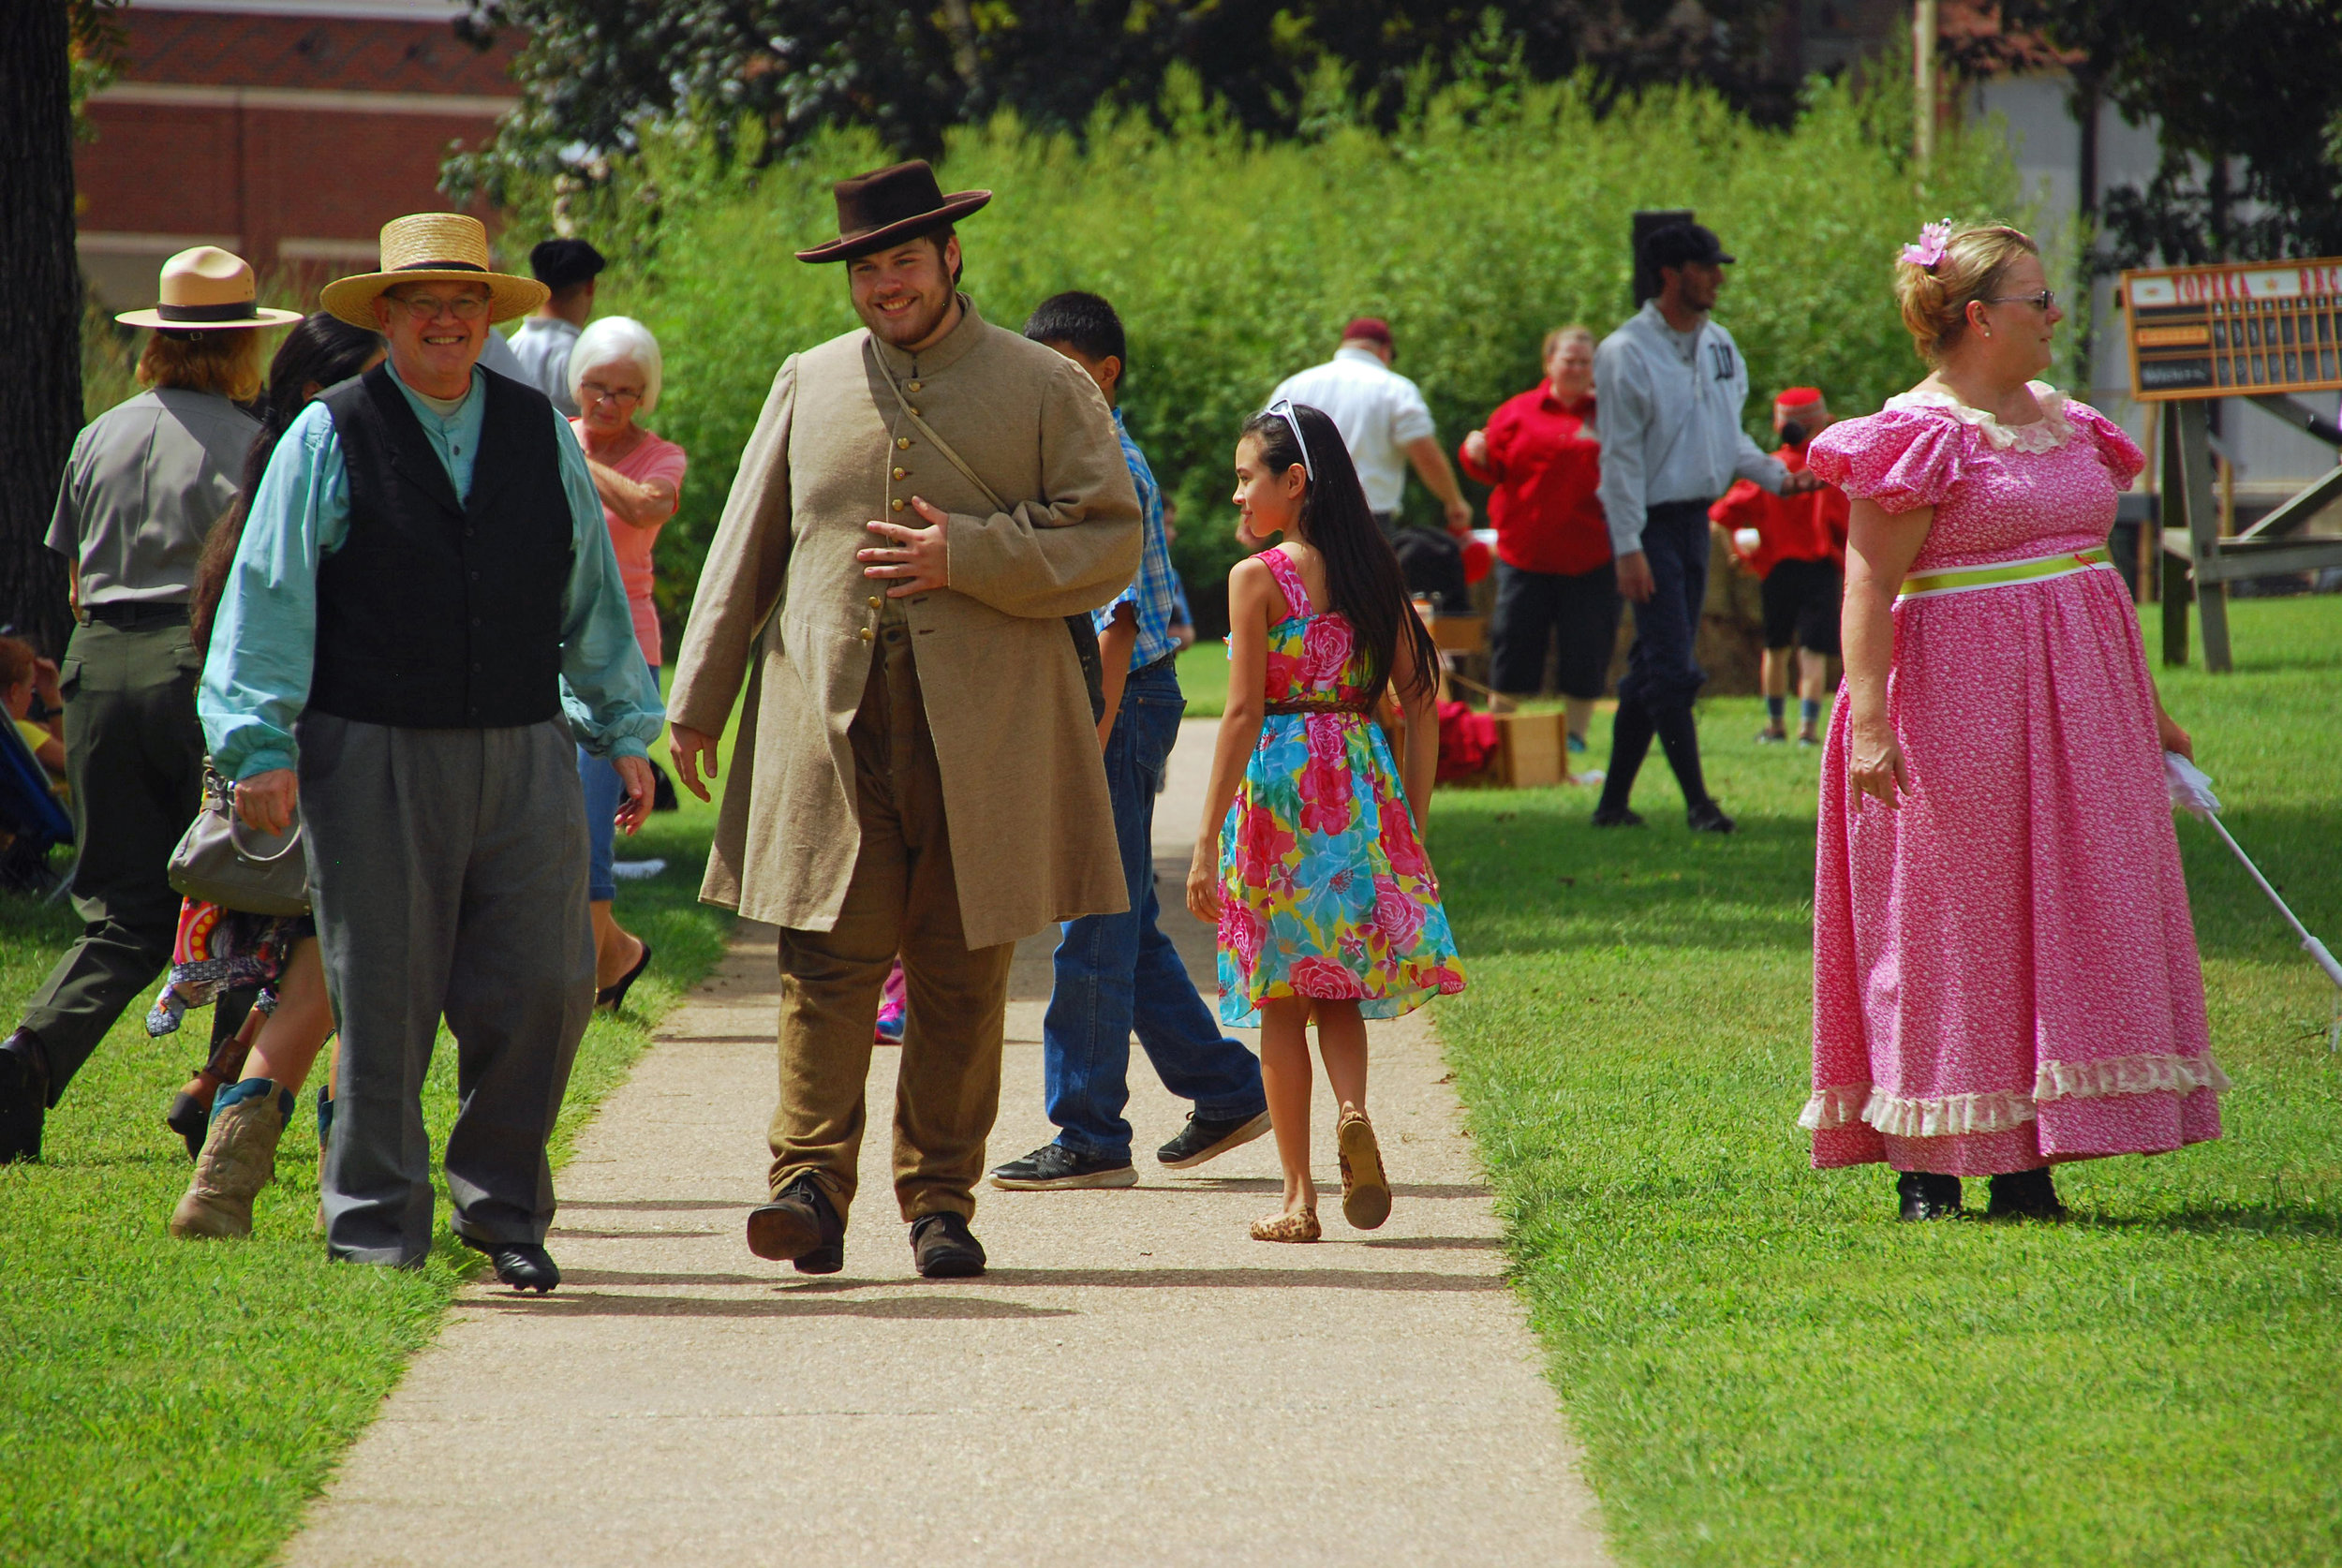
(2001, 573)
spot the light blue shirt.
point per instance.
(1153, 595)
(256, 680)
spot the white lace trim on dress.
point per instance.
(2142, 1075)
(2047, 434)
(1950, 1115)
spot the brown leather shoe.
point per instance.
(800, 1226)
(944, 1249)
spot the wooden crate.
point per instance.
(1532, 750)
(1458, 633)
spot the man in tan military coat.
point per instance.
(921, 504)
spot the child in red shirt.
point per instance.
(1797, 545)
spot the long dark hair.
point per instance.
(322, 351)
(1363, 583)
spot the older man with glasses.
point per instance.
(424, 611)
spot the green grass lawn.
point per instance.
(170, 1402)
(1763, 1365)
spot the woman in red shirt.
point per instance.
(1555, 577)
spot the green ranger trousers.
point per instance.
(134, 755)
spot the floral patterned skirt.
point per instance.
(1326, 891)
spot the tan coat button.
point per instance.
(903, 441)
(867, 634)
(876, 604)
(917, 386)
(902, 473)
(908, 409)
(899, 506)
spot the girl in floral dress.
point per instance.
(1309, 858)
(2005, 971)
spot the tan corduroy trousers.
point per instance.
(903, 899)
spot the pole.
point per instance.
(2192, 424)
(2171, 511)
(1924, 34)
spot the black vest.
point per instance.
(438, 614)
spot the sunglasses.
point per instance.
(1282, 408)
(2044, 301)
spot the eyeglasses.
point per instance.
(430, 307)
(2044, 301)
(1282, 408)
(594, 392)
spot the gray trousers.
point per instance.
(447, 868)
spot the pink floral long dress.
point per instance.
(2005, 969)
(1324, 889)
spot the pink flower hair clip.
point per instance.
(1934, 239)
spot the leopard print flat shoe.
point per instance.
(1365, 1187)
(1300, 1225)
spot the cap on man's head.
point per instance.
(1370, 328)
(561, 265)
(1677, 244)
(1796, 400)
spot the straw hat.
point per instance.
(207, 289)
(433, 247)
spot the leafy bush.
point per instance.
(1495, 211)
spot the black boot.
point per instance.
(24, 1096)
(2024, 1195)
(1926, 1197)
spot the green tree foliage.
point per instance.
(595, 72)
(1483, 220)
(2248, 96)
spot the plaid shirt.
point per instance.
(1153, 595)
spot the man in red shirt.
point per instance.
(1797, 545)
(1554, 576)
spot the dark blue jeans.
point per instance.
(1119, 973)
(1661, 674)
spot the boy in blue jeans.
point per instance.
(1119, 973)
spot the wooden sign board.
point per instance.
(2233, 330)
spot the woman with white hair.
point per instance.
(614, 374)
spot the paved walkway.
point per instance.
(1135, 1382)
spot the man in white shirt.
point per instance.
(1671, 383)
(1384, 421)
(569, 268)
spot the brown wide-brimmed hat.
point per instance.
(207, 289)
(433, 247)
(876, 208)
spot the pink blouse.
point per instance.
(652, 458)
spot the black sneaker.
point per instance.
(1207, 1138)
(944, 1249)
(801, 1225)
(1616, 816)
(1053, 1166)
(23, 1101)
(522, 1265)
(1708, 817)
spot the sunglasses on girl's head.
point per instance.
(1282, 408)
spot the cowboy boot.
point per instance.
(239, 1159)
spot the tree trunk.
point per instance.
(40, 314)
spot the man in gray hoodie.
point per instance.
(1671, 383)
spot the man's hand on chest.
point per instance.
(915, 560)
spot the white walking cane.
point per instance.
(2191, 791)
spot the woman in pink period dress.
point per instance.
(2005, 972)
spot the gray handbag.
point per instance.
(220, 861)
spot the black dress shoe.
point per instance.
(1209, 1137)
(943, 1248)
(522, 1265)
(800, 1226)
(1616, 816)
(1708, 817)
(1926, 1197)
(2024, 1195)
(1053, 1167)
(24, 1097)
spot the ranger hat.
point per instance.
(207, 289)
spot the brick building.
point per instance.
(286, 130)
